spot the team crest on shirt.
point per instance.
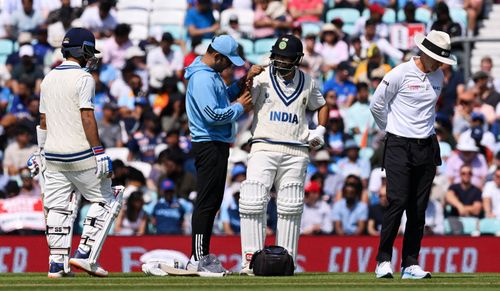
(304, 101)
(266, 98)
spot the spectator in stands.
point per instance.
(474, 9)
(344, 89)
(200, 21)
(28, 187)
(464, 198)
(484, 139)
(42, 47)
(110, 131)
(359, 122)
(306, 10)
(168, 213)
(99, 19)
(376, 13)
(467, 154)
(20, 102)
(27, 71)
(453, 86)
(356, 54)
(349, 214)
(316, 215)
(374, 61)
(24, 38)
(135, 59)
(270, 19)
(331, 48)
(487, 94)
(117, 45)
(335, 136)
(353, 163)
(143, 142)
(130, 92)
(24, 19)
(169, 60)
(409, 10)
(171, 163)
(370, 37)
(229, 212)
(491, 196)
(65, 14)
(132, 219)
(486, 65)
(17, 153)
(332, 182)
(444, 22)
(173, 115)
(463, 111)
(312, 60)
(376, 211)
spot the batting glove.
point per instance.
(104, 165)
(316, 137)
(36, 163)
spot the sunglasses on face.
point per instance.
(466, 173)
(465, 102)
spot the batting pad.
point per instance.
(290, 204)
(253, 206)
(59, 224)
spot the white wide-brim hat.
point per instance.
(437, 45)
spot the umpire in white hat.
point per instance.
(404, 106)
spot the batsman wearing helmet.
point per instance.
(280, 148)
(73, 159)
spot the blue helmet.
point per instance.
(79, 43)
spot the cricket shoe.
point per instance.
(246, 271)
(384, 270)
(80, 261)
(414, 272)
(56, 270)
(210, 266)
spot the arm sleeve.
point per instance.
(384, 93)
(86, 90)
(335, 215)
(316, 99)
(41, 107)
(487, 193)
(233, 91)
(209, 108)
(363, 213)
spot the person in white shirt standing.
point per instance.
(281, 141)
(491, 196)
(403, 105)
(74, 159)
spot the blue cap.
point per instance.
(226, 45)
(167, 184)
(76, 37)
(238, 169)
(477, 116)
(351, 144)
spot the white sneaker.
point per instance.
(91, 269)
(246, 271)
(384, 270)
(414, 272)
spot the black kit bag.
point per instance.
(272, 261)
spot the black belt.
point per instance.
(421, 141)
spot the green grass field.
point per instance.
(305, 281)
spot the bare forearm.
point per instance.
(323, 115)
(90, 128)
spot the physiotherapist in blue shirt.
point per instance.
(212, 109)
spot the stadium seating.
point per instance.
(489, 226)
(263, 46)
(139, 32)
(421, 14)
(167, 17)
(135, 4)
(348, 15)
(459, 15)
(310, 28)
(169, 4)
(133, 16)
(389, 15)
(145, 168)
(247, 46)
(118, 153)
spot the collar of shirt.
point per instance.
(288, 82)
(70, 63)
(421, 75)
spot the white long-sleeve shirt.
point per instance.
(404, 102)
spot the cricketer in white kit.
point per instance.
(71, 159)
(281, 141)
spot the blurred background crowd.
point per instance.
(349, 46)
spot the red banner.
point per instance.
(316, 253)
(21, 212)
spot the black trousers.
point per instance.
(211, 167)
(411, 166)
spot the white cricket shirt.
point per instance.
(404, 102)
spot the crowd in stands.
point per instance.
(140, 106)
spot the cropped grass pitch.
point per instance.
(304, 281)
